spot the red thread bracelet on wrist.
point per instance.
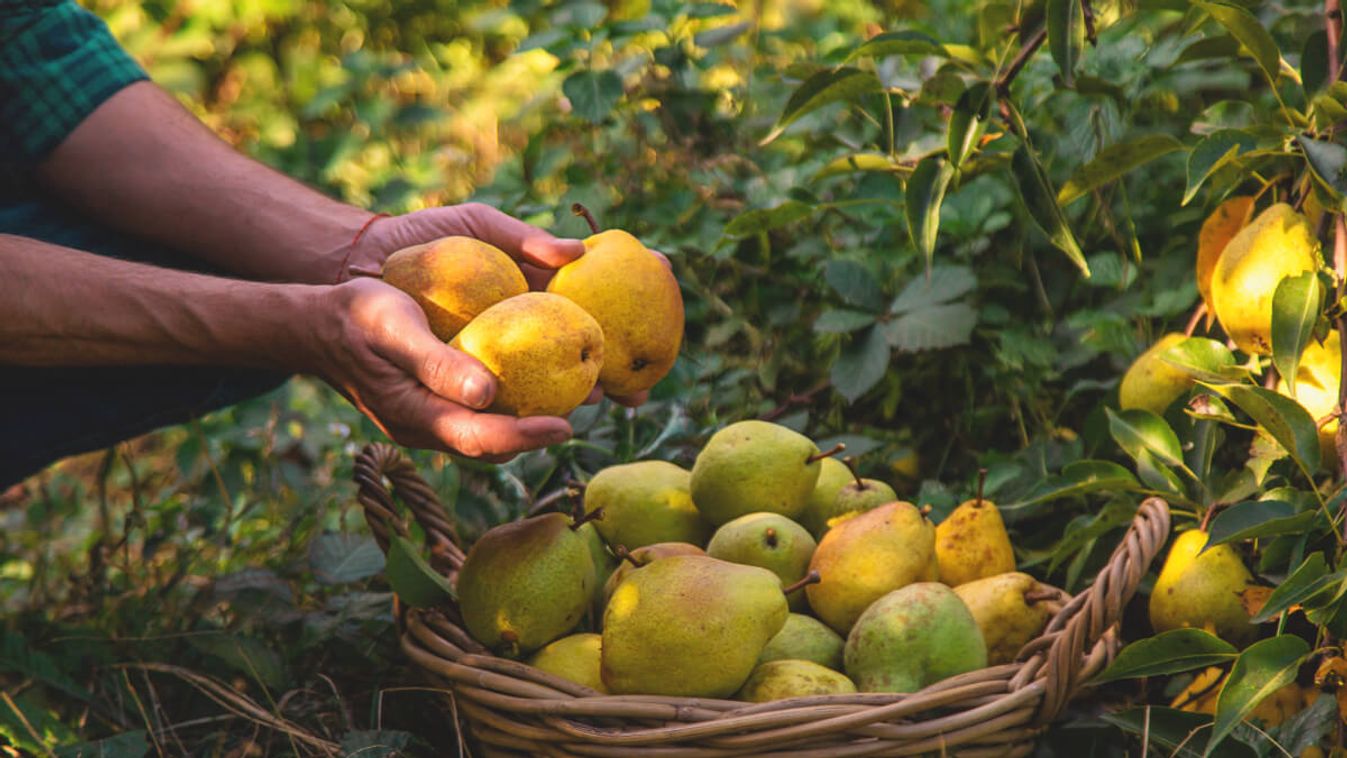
(346, 261)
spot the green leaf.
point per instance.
(1066, 36)
(414, 581)
(708, 10)
(841, 321)
(1310, 725)
(754, 222)
(247, 655)
(1309, 579)
(904, 42)
(1114, 161)
(855, 282)
(1263, 668)
(1183, 732)
(930, 328)
(384, 743)
(1136, 429)
(1041, 202)
(861, 365)
(1288, 423)
(1214, 151)
(1314, 63)
(1077, 478)
(1203, 359)
(922, 198)
(968, 121)
(858, 162)
(1168, 653)
(1254, 39)
(1257, 518)
(1214, 47)
(1329, 163)
(1296, 305)
(824, 87)
(941, 285)
(125, 745)
(341, 558)
(593, 94)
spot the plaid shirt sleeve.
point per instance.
(58, 62)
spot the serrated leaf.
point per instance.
(1296, 306)
(1328, 160)
(1263, 668)
(1168, 653)
(1310, 578)
(1257, 518)
(855, 282)
(968, 122)
(412, 578)
(841, 321)
(753, 222)
(1253, 38)
(861, 365)
(592, 94)
(904, 42)
(1114, 161)
(943, 284)
(1283, 418)
(1211, 153)
(922, 198)
(1040, 201)
(931, 328)
(1136, 430)
(1203, 359)
(823, 88)
(340, 558)
(1066, 36)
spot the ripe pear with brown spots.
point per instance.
(972, 542)
(453, 280)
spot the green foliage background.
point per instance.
(864, 252)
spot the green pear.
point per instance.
(1010, 609)
(779, 680)
(911, 638)
(689, 626)
(574, 658)
(867, 556)
(605, 563)
(644, 503)
(805, 638)
(642, 556)
(857, 496)
(754, 466)
(833, 475)
(1202, 589)
(768, 540)
(526, 583)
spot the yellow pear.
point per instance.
(635, 299)
(972, 543)
(453, 279)
(574, 658)
(1010, 609)
(644, 503)
(1317, 388)
(1277, 244)
(1150, 383)
(544, 350)
(782, 679)
(1202, 591)
(642, 556)
(867, 556)
(1200, 697)
(1217, 231)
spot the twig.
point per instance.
(794, 400)
(1195, 319)
(1027, 51)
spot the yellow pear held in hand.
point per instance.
(1317, 389)
(454, 279)
(1150, 383)
(1202, 591)
(972, 542)
(544, 350)
(1010, 609)
(635, 298)
(1217, 231)
(574, 658)
(1277, 244)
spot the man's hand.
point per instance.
(373, 344)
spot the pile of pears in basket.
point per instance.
(769, 571)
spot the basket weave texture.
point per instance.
(511, 708)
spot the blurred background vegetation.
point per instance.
(232, 547)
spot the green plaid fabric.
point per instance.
(58, 62)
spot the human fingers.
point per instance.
(523, 241)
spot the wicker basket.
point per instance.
(511, 708)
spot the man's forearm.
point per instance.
(145, 165)
(63, 307)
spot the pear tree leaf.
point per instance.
(247, 655)
(1168, 653)
(1205, 406)
(1183, 732)
(1314, 63)
(930, 328)
(1296, 306)
(1040, 201)
(922, 198)
(1066, 36)
(842, 320)
(593, 94)
(824, 87)
(1328, 160)
(1203, 359)
(754, 222)
(412, 578)
(855, 282)
(1114, 161)
(1258, 518)
(904, 42)
(1310, 578)
(968, 121)
(1155, 474)
(1289, 424)
(941, 285)
(1136, 430)
(1263, 668)
(861, 365)
(1253, 38)
(1076, 478)
(858, 162)
(1214, 151)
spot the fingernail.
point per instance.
(476, 391)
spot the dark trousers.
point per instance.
(49, 413)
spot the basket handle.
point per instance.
(379, 461)
(1072, 634)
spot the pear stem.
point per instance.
(850, 462)
(830, 452)
(511, 641)
(812, 577)
(594, 515)
(982, 482)
(925, 510)
(623, 554)
(770, 535)
(580, 210)
(358, 270)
